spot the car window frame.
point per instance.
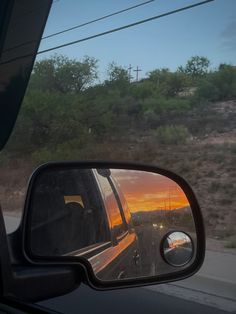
(115, 237)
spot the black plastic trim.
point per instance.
(15, 74)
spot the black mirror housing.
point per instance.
(67, 196)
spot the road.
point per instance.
(211, 290)
(136, 300)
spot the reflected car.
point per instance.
(85, 214)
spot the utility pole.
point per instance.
(129, 72)
(137, 70)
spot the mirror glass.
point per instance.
(119, 220)
(177, 248)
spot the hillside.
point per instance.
(207, 162)
(183, 121)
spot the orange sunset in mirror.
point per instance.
(146, 191)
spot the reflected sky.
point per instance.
(145, 191)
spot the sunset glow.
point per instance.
(145, 191)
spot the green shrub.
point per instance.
(70, 150)
(207, 90)
(143, 90)
(218, 85)
(151, 119)
(172, 134)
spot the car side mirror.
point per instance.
(124, 224)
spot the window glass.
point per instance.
(67, 214)
(160, 93)
(112, 207)
(124, 204)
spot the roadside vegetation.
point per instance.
(183, 120)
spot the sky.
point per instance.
(208, 30)
(147, 191)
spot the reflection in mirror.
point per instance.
(116, 219)
(177, 248)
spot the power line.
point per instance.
(98, 19)
(125, 26)
(83, 24)
(111, 30)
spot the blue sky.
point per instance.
(209, 30)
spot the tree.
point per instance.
(175, 84)
(168, 83)
(218, 85)
(59, 73)
(196, 67)
(117, 75)
(159, 76)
